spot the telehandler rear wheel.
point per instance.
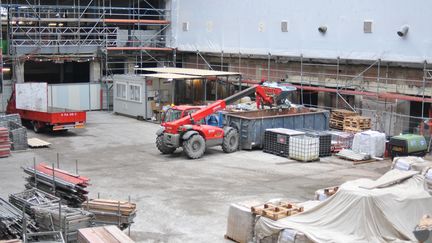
(230, 141)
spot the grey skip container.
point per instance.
(252, 124)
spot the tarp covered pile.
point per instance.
(362, 210)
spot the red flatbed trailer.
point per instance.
(55, 119)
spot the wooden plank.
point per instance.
(103, 234)
(37, 143)
(358, 162)
(118, 234)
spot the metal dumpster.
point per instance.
(252, 124)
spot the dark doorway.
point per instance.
(54, 73)
(416, 113)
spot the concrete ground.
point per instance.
(179, 200)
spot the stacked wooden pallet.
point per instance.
(338, 116)
(120, 213)
(356, 124)
(277, 211)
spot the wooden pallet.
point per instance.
(276, 212)
(357, 124)
(37, 143)
(337, 118)
(358, 162)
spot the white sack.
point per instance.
(369, 142)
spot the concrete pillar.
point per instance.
(358, 100)
(18, 70)
(95, 71)
(402, 123)
(322, 99)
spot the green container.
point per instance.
(4, 46)
(408, 144)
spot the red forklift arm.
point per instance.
(264, 95)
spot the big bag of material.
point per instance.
(369, 142)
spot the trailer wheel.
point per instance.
(230, 141)
(162, 147)
(37, 128)
(194, 147)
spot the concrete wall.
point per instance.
(254, 27)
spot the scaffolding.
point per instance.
(372, 82)
(119, 35)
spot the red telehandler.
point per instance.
(195, 137)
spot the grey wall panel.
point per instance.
(254, 27)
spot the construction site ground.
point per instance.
(178, 200)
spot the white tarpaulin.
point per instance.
(32, 96)
(410, 163)
(356, 214)
(369, 142)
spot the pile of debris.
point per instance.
(32, 198)
(69, 187)
(120, 213)
(64, 219)
(11, 221)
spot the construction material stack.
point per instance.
(5, 145)
(11, 221)
(18, 136)
(337, 118)
(102, 234)
(277, 141)
(17, 132)
(69, 187)
(32, 198)
(65, 219)
(356, 124)
(324, 141)
(340, 140)
(111, 212)
(369, 142)
(304, 148)
(276, 211)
